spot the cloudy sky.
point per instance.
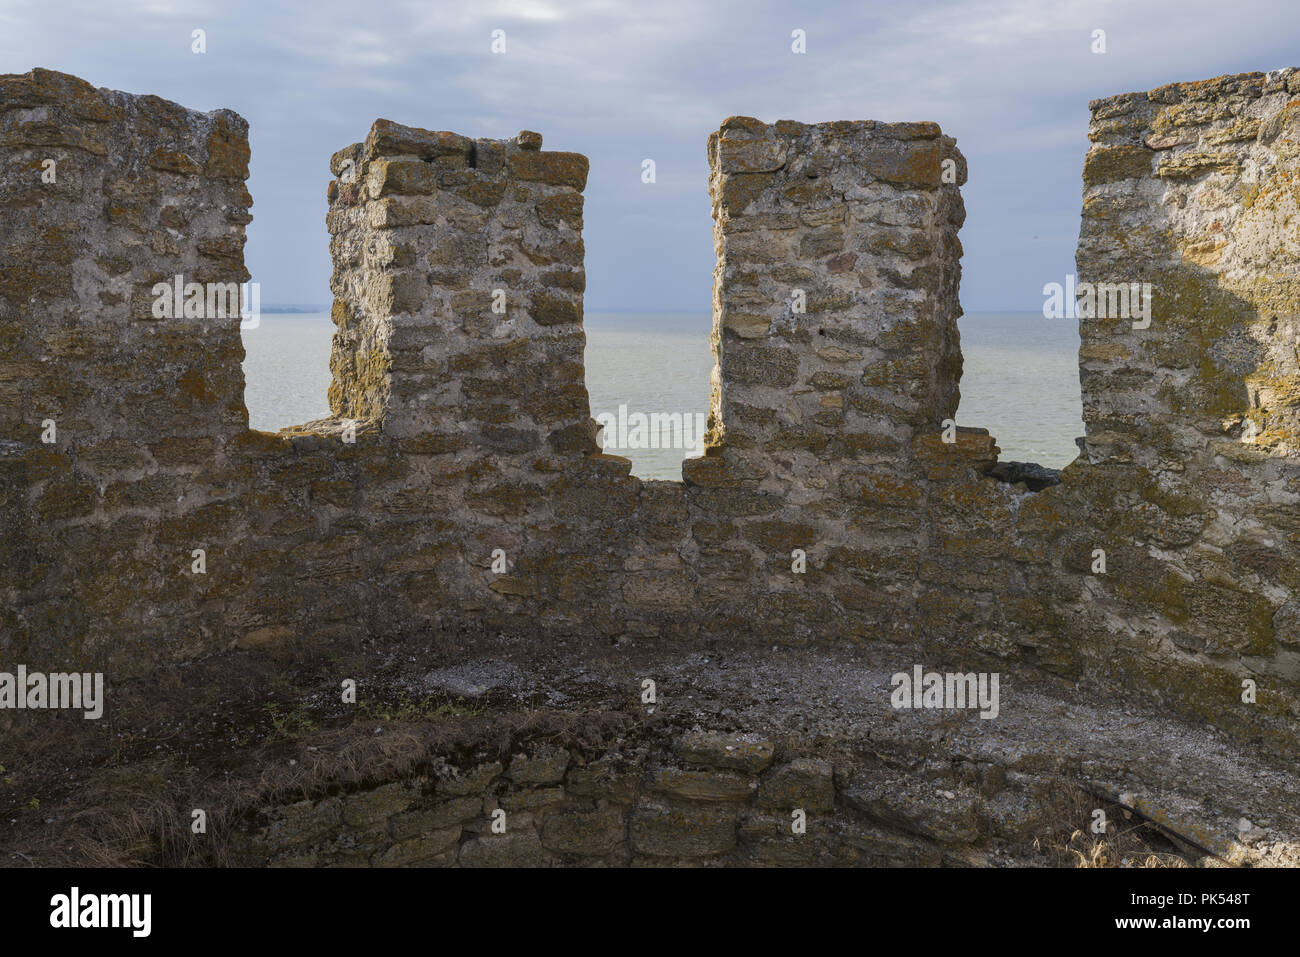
(622, 82)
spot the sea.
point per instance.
(1020, 380)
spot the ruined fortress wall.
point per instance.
(461, 436)
(835, 307)
(836, 297)
(706, 800)
(458, 282)
(109, 413)
(1191, 482)
(1192, 190)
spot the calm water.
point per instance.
(1020, 382)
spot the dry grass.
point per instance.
(1128, 840)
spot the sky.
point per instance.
(625, 82)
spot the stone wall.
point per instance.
(460, 433)
(835, 336)
(1189, 477)
(697, 799)
(632, 804)
(106, 195)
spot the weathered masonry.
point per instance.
(125, 447)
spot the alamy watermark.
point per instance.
(38, 690)
(1101, 300)
(77, 910)
(656, 430)
(930, 689)
(179, 299)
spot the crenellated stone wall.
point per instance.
(834, 503)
